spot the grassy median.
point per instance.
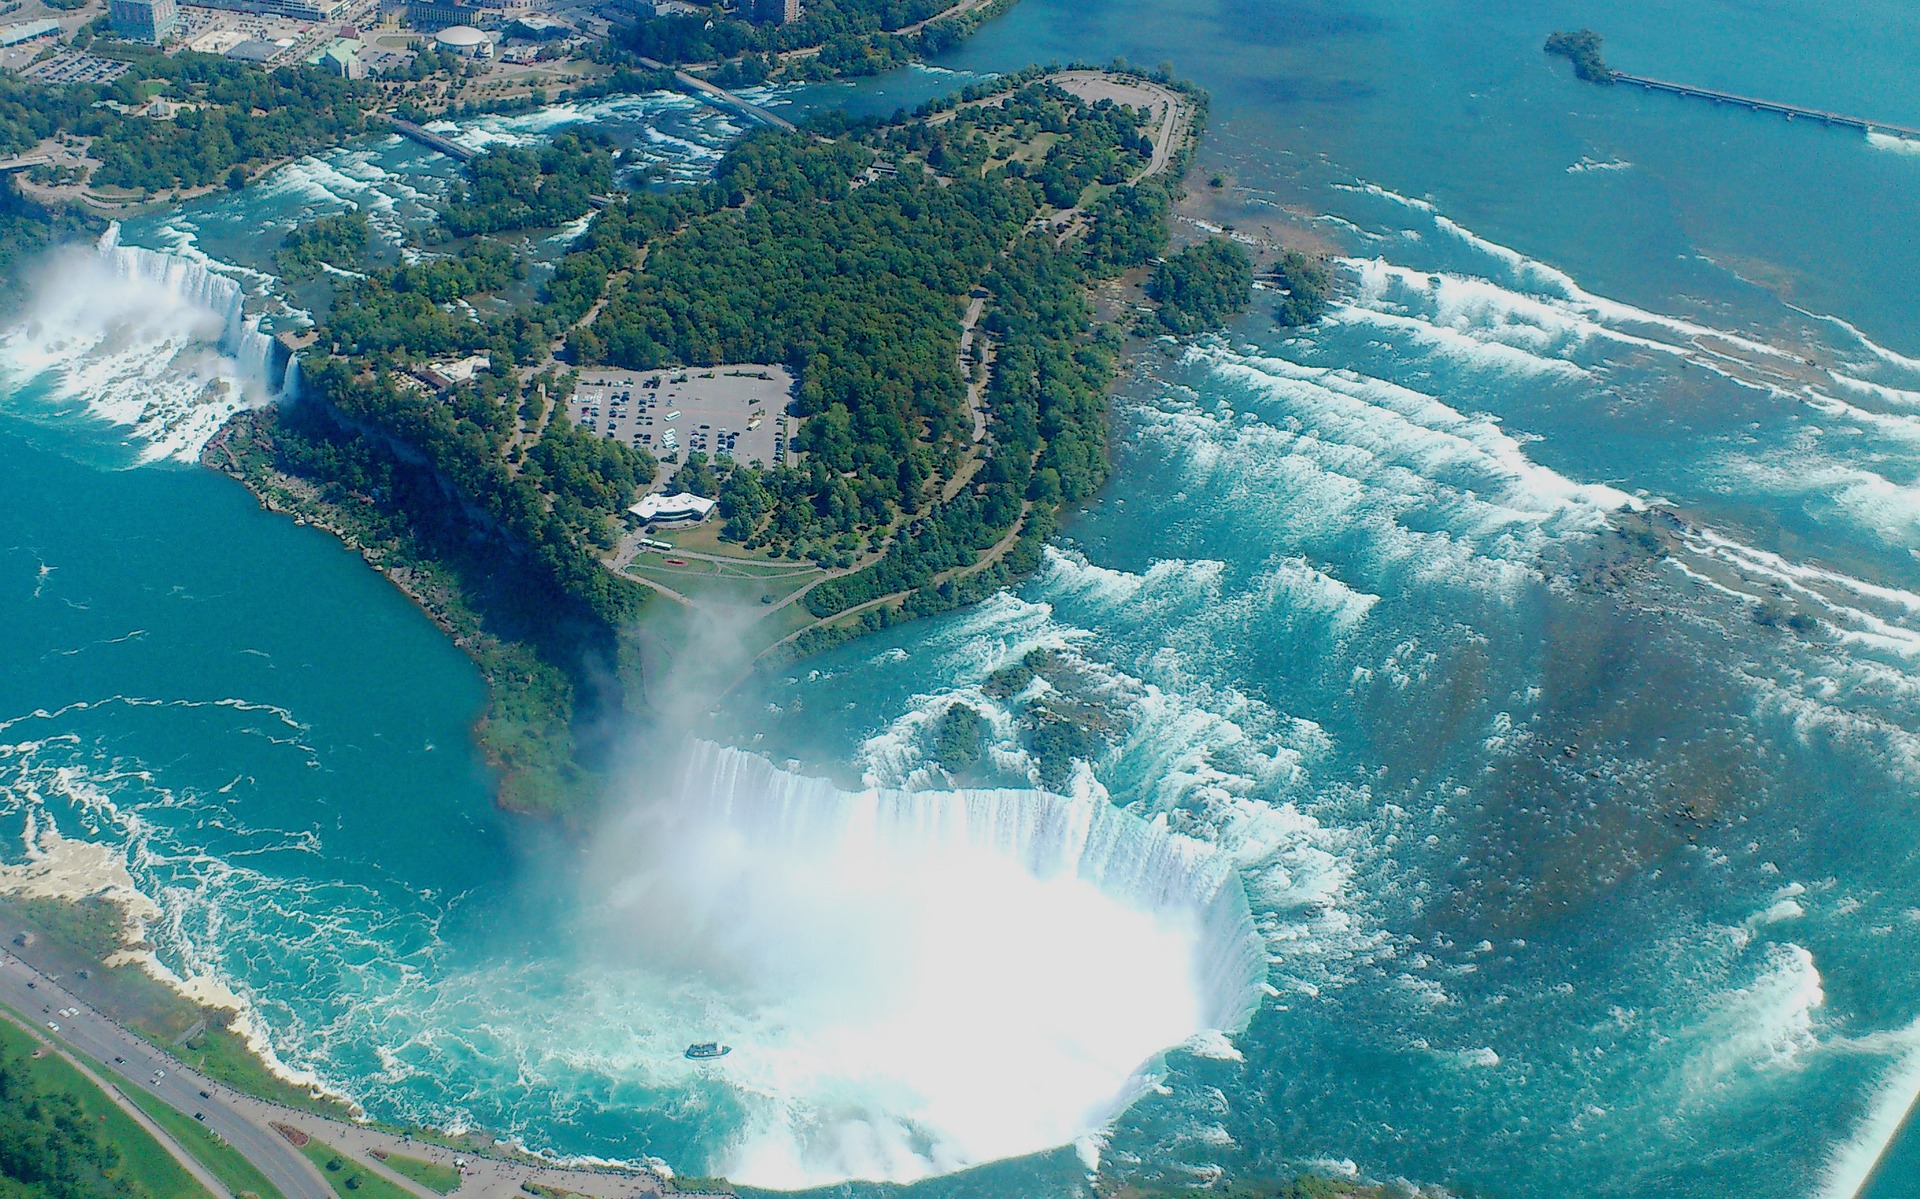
(221, 1160)
(143, 1160)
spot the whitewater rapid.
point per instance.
(1319, 642)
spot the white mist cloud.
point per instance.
(912, 984)
(142, 339)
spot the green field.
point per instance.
(142, 1159)
(348, 1177)
(432, 1175)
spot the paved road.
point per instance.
(138, 1115)
(132, 1063)
(246, 1123)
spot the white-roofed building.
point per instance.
(27, 31)
(463, 40)
(679, 508)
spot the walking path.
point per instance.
(960, 9)
(969, 328)
(250, 1125)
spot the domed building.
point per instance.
(464, 40)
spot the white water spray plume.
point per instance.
(916, 982)
(153, 341)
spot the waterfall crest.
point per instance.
(196, 284)
(157, 343)
(1136, 862)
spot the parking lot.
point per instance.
(739, 411)
(72, 66)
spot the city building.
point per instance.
(537, 28)
(773, 12)
(342, 57)
(27, 31)
(254, 50)
(464, 40)
(429, 16)
(298, 10)
(148, 21)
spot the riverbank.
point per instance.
(269, 1133)
(524, 732)
(96, 946)
(418, 569)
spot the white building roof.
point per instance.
(460, 35)
(462, 370)
(26, 31)
(678, 506)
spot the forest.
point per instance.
(493, 507)
(509, 187)
(338, 241)
(1200, 287)
(236, 115)
(1582, 48)
(49, 1148)
(233, 115)
(848, 261)
(1306, 286)
(855, 277)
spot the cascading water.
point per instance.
(146, 339)
(196, 283)
(913, 982)
(1140, 864)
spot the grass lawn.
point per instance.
(76, 938)
(348, 1177)
(700, 581)
(221, 1160)
(142, 1159)
(224, 1056)
(432, 1175)
(705, 539)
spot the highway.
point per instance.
(133, 1065)
(246, 1123)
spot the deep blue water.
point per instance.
(1576, 876)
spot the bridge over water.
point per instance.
(1790, 111)
(697, 86)
(452, 149)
